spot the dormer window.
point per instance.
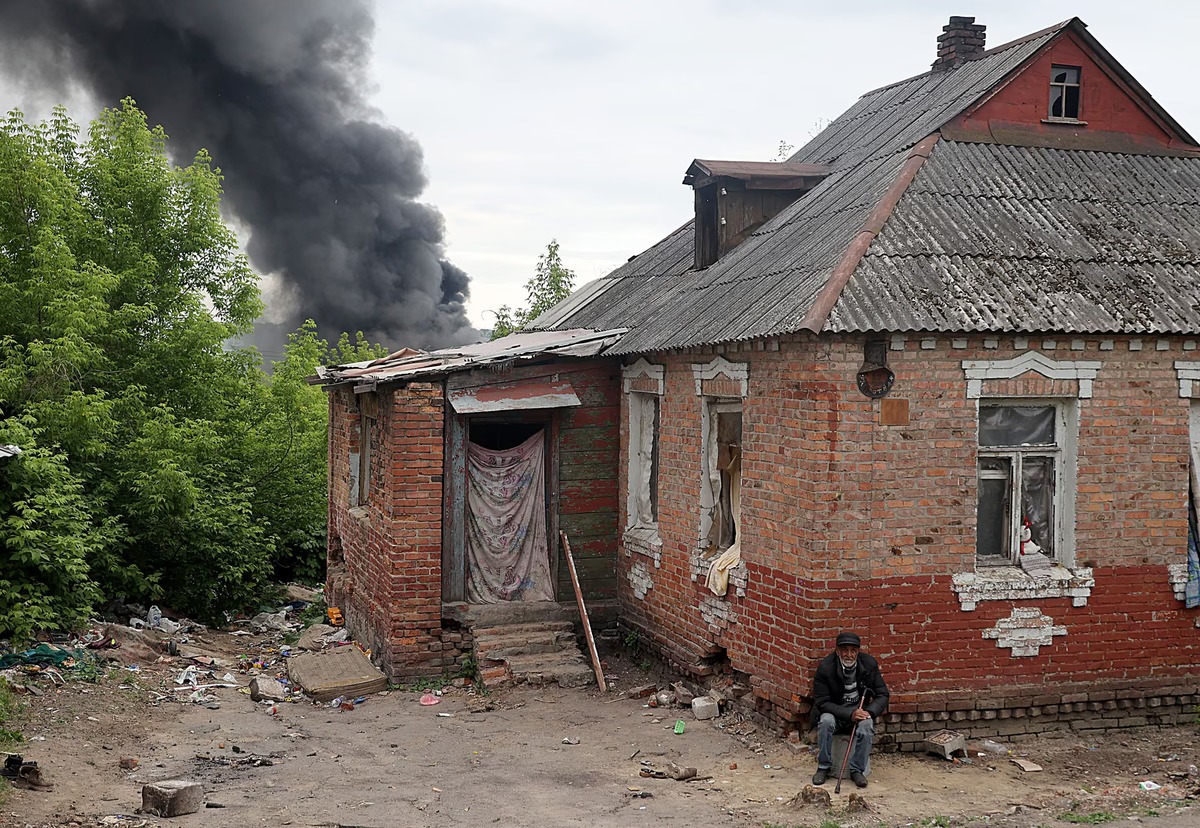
(735, 198)
(1064, 93)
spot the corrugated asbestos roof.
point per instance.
(408, 364)
(1000, 238)
(767, 284)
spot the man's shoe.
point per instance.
(859, 779)
(820, 776)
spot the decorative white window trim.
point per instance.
(1025, 631)
(1188, 373)
(739, 372)
(978, 370)
(1009, 583)
(642, 368)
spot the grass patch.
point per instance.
(1094, 818)
(935, 822)
(9, 708)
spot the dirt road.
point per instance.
(501, 759)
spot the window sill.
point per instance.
(361, 515)
(1011, 583)
(1065, 121)
(645, 541)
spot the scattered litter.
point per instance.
(445, 715)
(1026, 765)
(24, 774)
(994, 747)
(571, 740)
(679, 727)
(428, 698)
(1149, 786)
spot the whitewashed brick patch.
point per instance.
(717, 612)
(640, 580)
(1008, 583)
(1179, 575)
(1025, 631)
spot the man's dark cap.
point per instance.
(848, 638)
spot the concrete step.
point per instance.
(567, 669)
(532, 627)
(502, 644)
(515, 612)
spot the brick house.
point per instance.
(933, 379)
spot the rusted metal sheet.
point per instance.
(513, 396)
(525, 345)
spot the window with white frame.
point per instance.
(722, 466)
(643, 461)
(1023, 477)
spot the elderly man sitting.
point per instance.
(844, 680)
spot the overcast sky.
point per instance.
(577, 120)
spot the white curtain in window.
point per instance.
(641, 509)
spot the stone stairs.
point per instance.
(534, 643)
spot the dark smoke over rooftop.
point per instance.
(275, 90)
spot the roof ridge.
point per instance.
(818, 314)
(995, 50)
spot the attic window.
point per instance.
(1064, 93)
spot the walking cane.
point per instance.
(837, 789)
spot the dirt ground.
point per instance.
(507, 758)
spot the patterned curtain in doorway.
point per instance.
(507, 557)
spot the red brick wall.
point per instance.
(385, 557)
(850, 524)
(1106, 105)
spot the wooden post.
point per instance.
(583, 614)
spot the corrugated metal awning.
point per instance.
(514, 396)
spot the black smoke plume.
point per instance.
(275, 90)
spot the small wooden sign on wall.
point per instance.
(893, 411)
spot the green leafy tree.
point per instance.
(550, 284)
(159, 463)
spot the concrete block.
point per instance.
(705, 708)
(947, 744)
(172, 797)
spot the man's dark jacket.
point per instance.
(829, 690)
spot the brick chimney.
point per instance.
(960, 40)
